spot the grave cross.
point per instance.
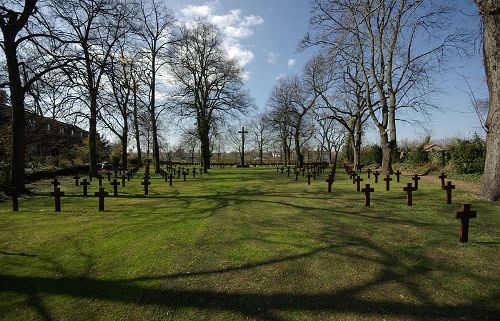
(201, 171)
(90, 176)
(330, 181)
(57, 198)
(369, 171)
(282, 169)
(102, 194)
(409, 190)
(448, 188)
(99, 177)
(184, 173)
(109, 176)
(116, 173)
(353, 176)
(123, 180)
(358, 181)
(387, 180)
(464, 215)
(84, 183)
(367, 190)
(115, 184)
(308, 178)
(170, 179)
(442, 177)
(376, 174)
(243, 132)
(416, 178)
(146, 184)
(77, 178)
(288, 171)
(194, 172)
(398, 173)
(55, 182)
(296, 175)
(314, 173)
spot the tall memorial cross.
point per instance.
(416, 178)
(448, 188)
(367, 190)
(57, 198)
(409, 193)
(102, 194)
(464, 215)
(242, 132)
(442, 178)
(387, 180)
(85, 185)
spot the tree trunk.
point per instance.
(136, 131)
(386, 153)
(152, 115)
(124, 146)
(203, 132)
(18, 115)
(93, 132)
(490, 11)
(298, 153)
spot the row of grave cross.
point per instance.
(57, 193)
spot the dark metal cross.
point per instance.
(376, 174)
(409, 197)
(57, 195)
(146, 184)
(387, 180)
(242, 132)
(442, 177)
(115, 184)
(367, 190)
(55, 182)
(76, 177)
(448, 188)
(84, 183)
(416, 178)
(330, 181)
(101, 195)
(358, 181)
(398, 173)
(464, 215)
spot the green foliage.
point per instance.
(371, 154)
(468, 155)
(417, 156)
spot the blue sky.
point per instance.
(264, 34)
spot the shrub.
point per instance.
(371, 154)
(417, 156)
(468, 155)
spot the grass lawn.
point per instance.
(248, 244)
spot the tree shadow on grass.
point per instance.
(274, 305)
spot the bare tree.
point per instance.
(385, 32)
(208, 84)
(490, 12)
(30, 43)
(95, 27)
(154, 27)
(261, 134)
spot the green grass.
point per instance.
(248, 244)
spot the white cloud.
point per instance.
(272, 57)
(291, 62)
(280, 76)
(196, 11)
(236, 51)
(233, 25)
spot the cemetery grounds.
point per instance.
(248, 244)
